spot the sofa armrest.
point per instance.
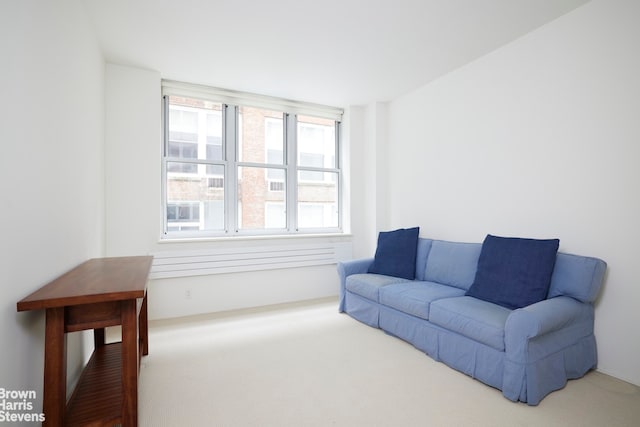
(356, 266)
(347, 268)
(562, 313)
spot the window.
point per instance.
(194, 168)
(317, 174)
(239, 164)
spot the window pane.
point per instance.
(275, 215)
(214, 134)
(318, 201)
(315, 160)
(183, 215)
(316, 142)
(261, 138)
(261, 198)
(183, 138)
(195, 130)
(196, 201)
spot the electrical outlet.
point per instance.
(187, 294)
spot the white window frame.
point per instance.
(231, 101)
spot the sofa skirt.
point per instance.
(531, 382)
(362, 309)
(527, 382)
(463, 354)
(475, 359)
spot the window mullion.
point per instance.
(317, 169)
(339, 166)
(291, 143)
(165, 153)
(230, 132)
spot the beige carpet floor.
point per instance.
(308, 365)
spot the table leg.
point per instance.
(129, 363)
(143, 327)
(55, 368)
(98, 338)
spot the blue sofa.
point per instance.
(526, 352)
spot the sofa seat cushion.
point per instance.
(479, 320)
(415, 297)
(367, 285)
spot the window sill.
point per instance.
(237, 238)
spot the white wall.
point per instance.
(221, 292)
(51, 170)
(540, 138)
(134, 214)
(133, 160)
(362, 193)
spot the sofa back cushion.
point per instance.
(455, 264)
(422, 253)
(452, 263)
(577, 276)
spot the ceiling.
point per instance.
(333, 52)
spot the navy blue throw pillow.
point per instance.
(396, 253)
(514, 272)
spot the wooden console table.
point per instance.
(98, 293)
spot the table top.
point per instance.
(96, 280)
